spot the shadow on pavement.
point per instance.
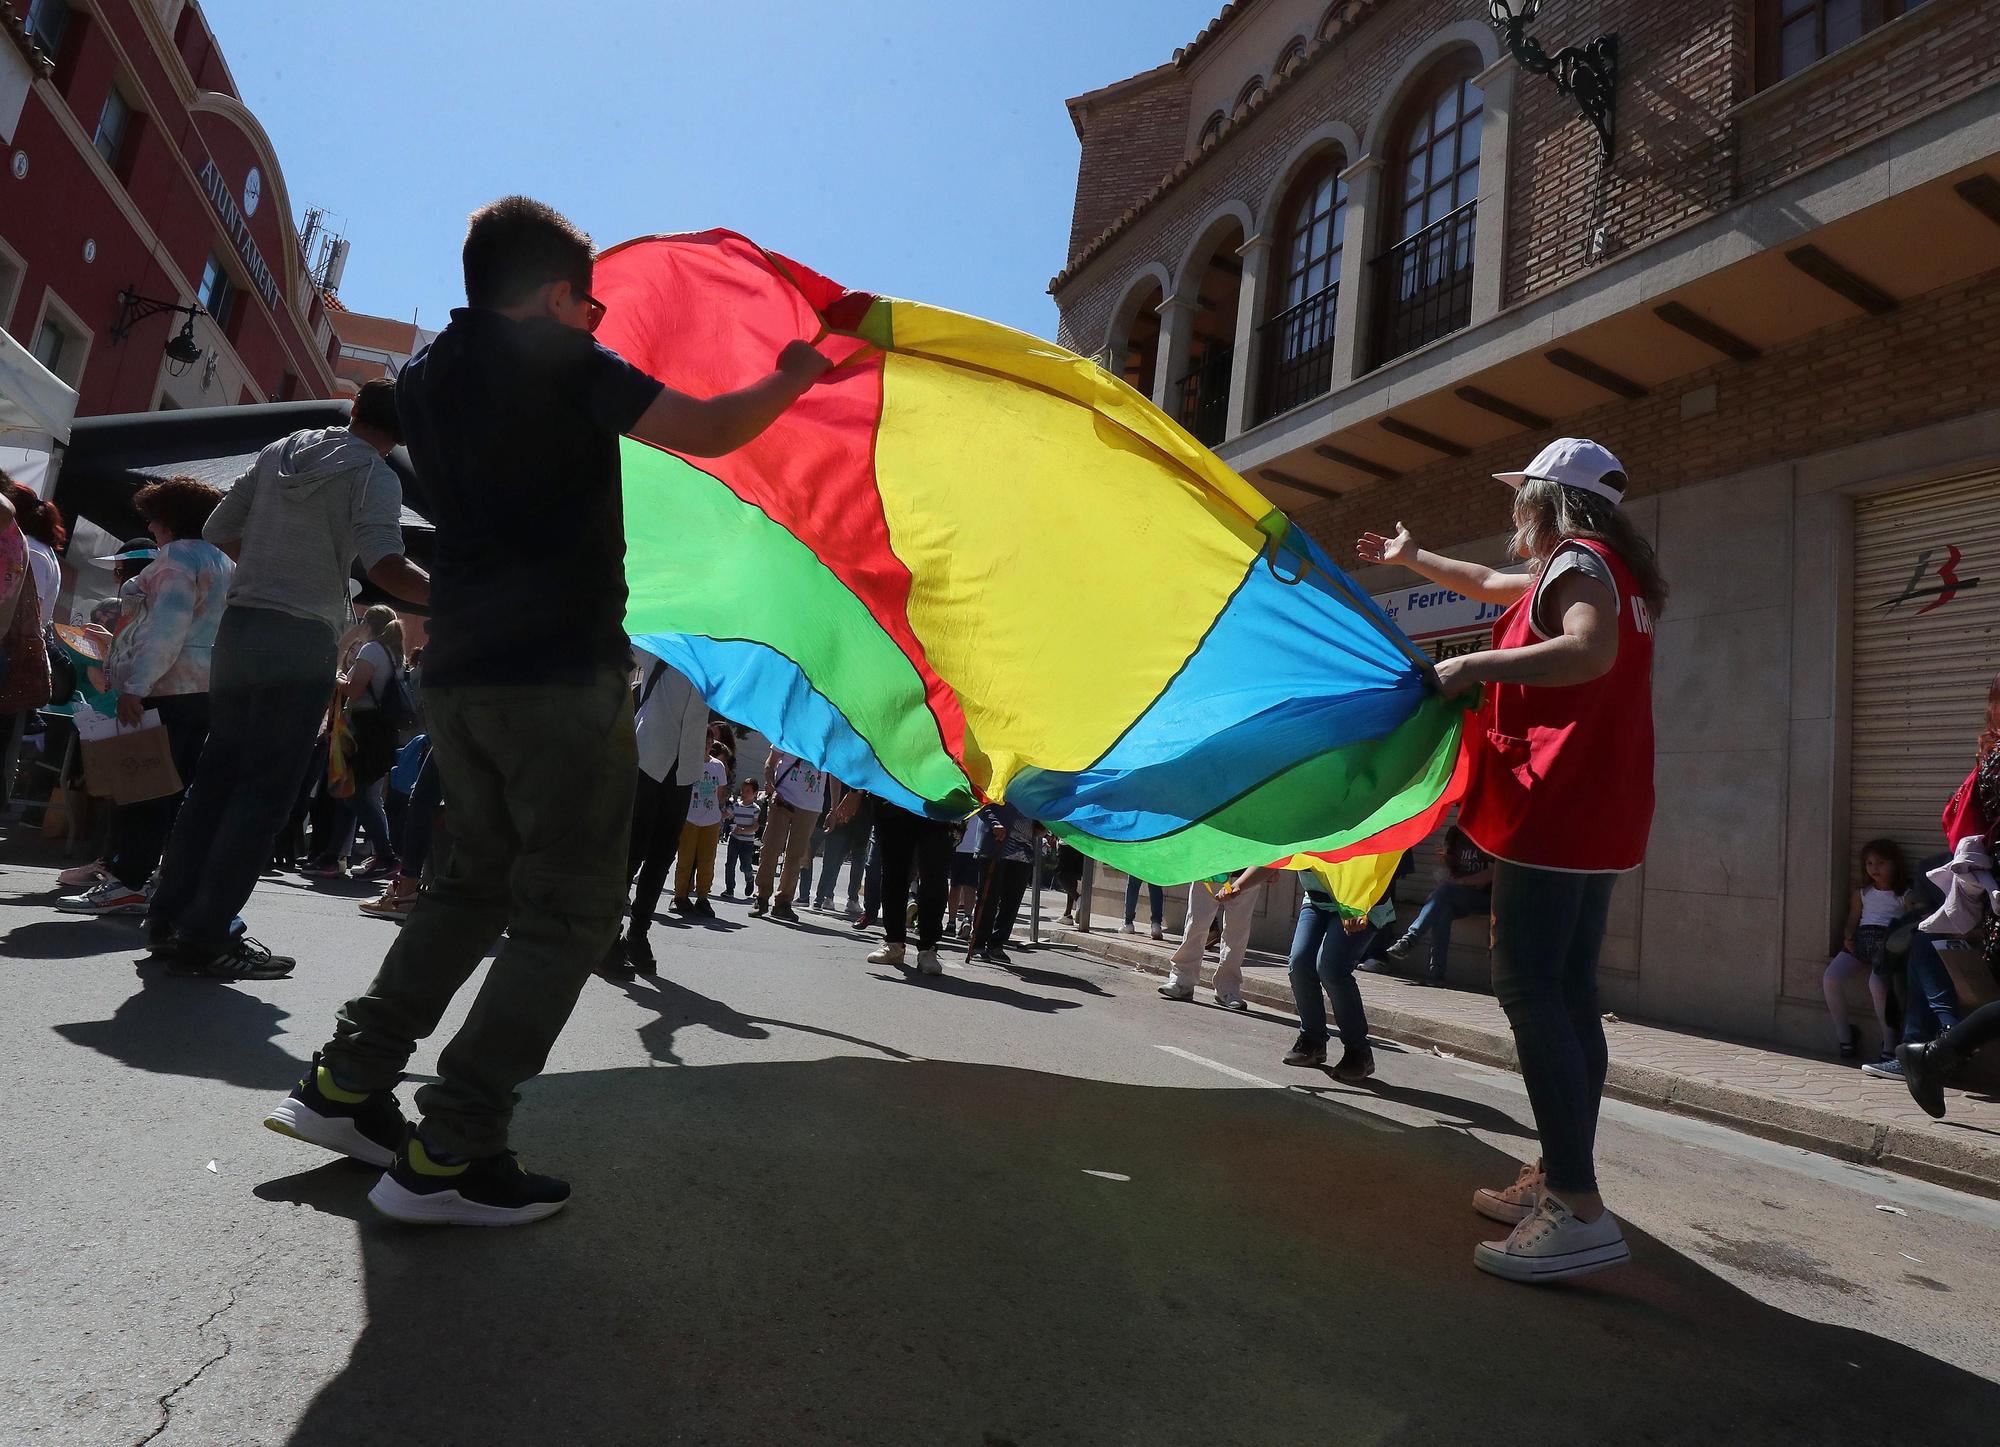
(861, 1251)
(680, 1007)
(967, 988)
(74, 939)
(197, 1028)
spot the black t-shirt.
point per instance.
(514, 427)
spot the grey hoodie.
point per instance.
(311, 504)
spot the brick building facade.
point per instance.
(1382, 261)
(132, 164)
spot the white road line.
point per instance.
(1347, 1113)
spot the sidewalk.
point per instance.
(1821, 1105)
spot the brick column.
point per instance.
(1176, 341)
(1250, 308)
(1489, 243)
(1360, 242)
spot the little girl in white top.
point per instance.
(1881, 900)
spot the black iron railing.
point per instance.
(1423, 285)
(1204, 395)
(1298, 354)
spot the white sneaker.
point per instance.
(1231, 1002)
(929, 963)
(111, 897)
(1176, 992)
(1552, 1245)
(1129, 928)
(887, 955)
(1512, 1204)
(1158, 933)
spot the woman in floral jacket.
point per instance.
(160, 661)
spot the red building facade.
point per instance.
(129, 163)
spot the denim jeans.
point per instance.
(1324, 955)
(364, 812)
(743, 856)
(540, 782)
(269, 687)
(1156, 898)
(995, 925)
(145, 827)
(1448, 904)
(847, 847)
(1548, 929)
(420, 820)
(1932, 1007)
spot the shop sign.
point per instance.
(1433, 612)
(234, 222)
(1935, 577)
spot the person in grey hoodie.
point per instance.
(295, 522)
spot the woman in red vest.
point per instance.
(1561, 796)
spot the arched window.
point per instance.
(1298, 339)
(1250, 94)
(1291, 58)
(1211, 131)
(1424, 279)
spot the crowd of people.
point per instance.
(573, 777)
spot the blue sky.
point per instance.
(916, 149)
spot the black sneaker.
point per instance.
(703, 909)
(783, 910)
(639, 954)
(759, 908)
(485, 1191)
(241, 959)
(996, 956)
(1304, 1052)
(616, 965)
(367, 1127)
(1400, 950)
(1921, 1074)
(1357, 1063)
(680, 906)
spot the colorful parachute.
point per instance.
(971, 565)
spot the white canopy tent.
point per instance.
(35, 412)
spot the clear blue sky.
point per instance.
(910, 147)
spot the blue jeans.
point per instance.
(1157, 898)
(269, 687)
(1324, 955)
(420, 820)
(1932, 1007)
(848, 847)
(364, 811)
(742, 855)
(1548, 929)
(1448, 904)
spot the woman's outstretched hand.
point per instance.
(1374, 548)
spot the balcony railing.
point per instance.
(1204, 395)
(1298, 354)
(1423, 285)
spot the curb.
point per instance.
(1908, 1151)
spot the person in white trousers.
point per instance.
(1203, 901)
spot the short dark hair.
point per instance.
(375, 408)
(180, 504)
(515, 244)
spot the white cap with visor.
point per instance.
(1574, 462)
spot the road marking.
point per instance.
(1347, 1113)
(1116, 1176)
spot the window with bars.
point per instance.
(48, 21)
(1793, 34)
(1298, 338)
(1423, 282)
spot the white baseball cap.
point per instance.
(1574, 462)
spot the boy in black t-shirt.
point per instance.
(512, 417)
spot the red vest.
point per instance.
(1562, 778)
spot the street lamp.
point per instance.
(1589, 72)
(181, 351)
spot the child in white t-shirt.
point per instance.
(694, 865)
(743, 822)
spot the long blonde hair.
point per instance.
(1547, 515)
(385, 628)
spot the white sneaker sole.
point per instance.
(448, 1208)
(334, 1133)
(109, 912)
(1494, 1207)
(1168, 994)
(1490, 1258)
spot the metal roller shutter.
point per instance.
(1926, 647)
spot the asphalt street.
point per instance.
(823, 1201)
